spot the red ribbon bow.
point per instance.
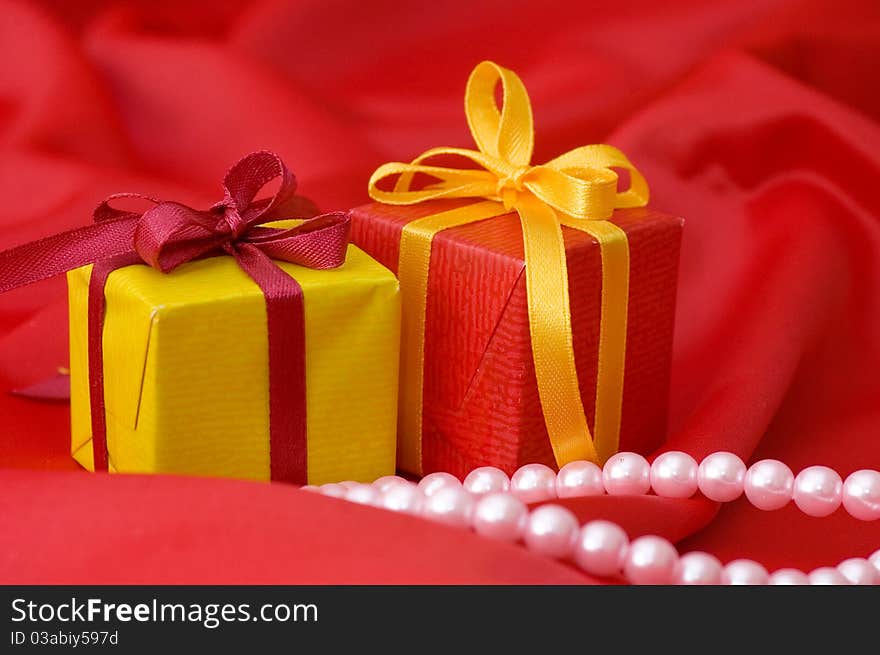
(170, 234)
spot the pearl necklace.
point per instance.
(494, 506)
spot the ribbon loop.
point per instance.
(507, 134)
(577, 189)
(105, 211)
(171, 234)
(319, 243)
(244, 180)
(602, 159)
(585, 193)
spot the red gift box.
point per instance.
(480, 396)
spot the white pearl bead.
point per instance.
(827, 575)
(533, 483)
(404, 497)
(450, 505)
(788, 577)
(674, 475)
(387, 481)
(745, 572)
(333, 490)
(601, 547)
(817, 491)
(579, 478)
(434, 482)
(550, 530)
(859, 571)
(875, 559)
(500, 516)
(721, 476)
(861, 495)
(650, 560)
(696, 568)
(363, 494)
(627, 474)
(486, 479)
(768, 484)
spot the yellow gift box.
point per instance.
(186, 369)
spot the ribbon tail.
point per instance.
(59, 253)
(109, 239)
(96, 305)
(550, 331)
(285, 321)
(614, 249)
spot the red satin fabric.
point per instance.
(756, 121)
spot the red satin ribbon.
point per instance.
(170, 234)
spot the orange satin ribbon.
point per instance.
(577, 189)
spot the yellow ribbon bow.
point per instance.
(577, 189)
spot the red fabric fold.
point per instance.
(757, 121)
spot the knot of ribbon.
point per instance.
(578, 189)
(510, 183)
(170, 234)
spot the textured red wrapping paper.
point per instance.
(757, 120)
(480, 399)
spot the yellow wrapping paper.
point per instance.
(186, 370)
